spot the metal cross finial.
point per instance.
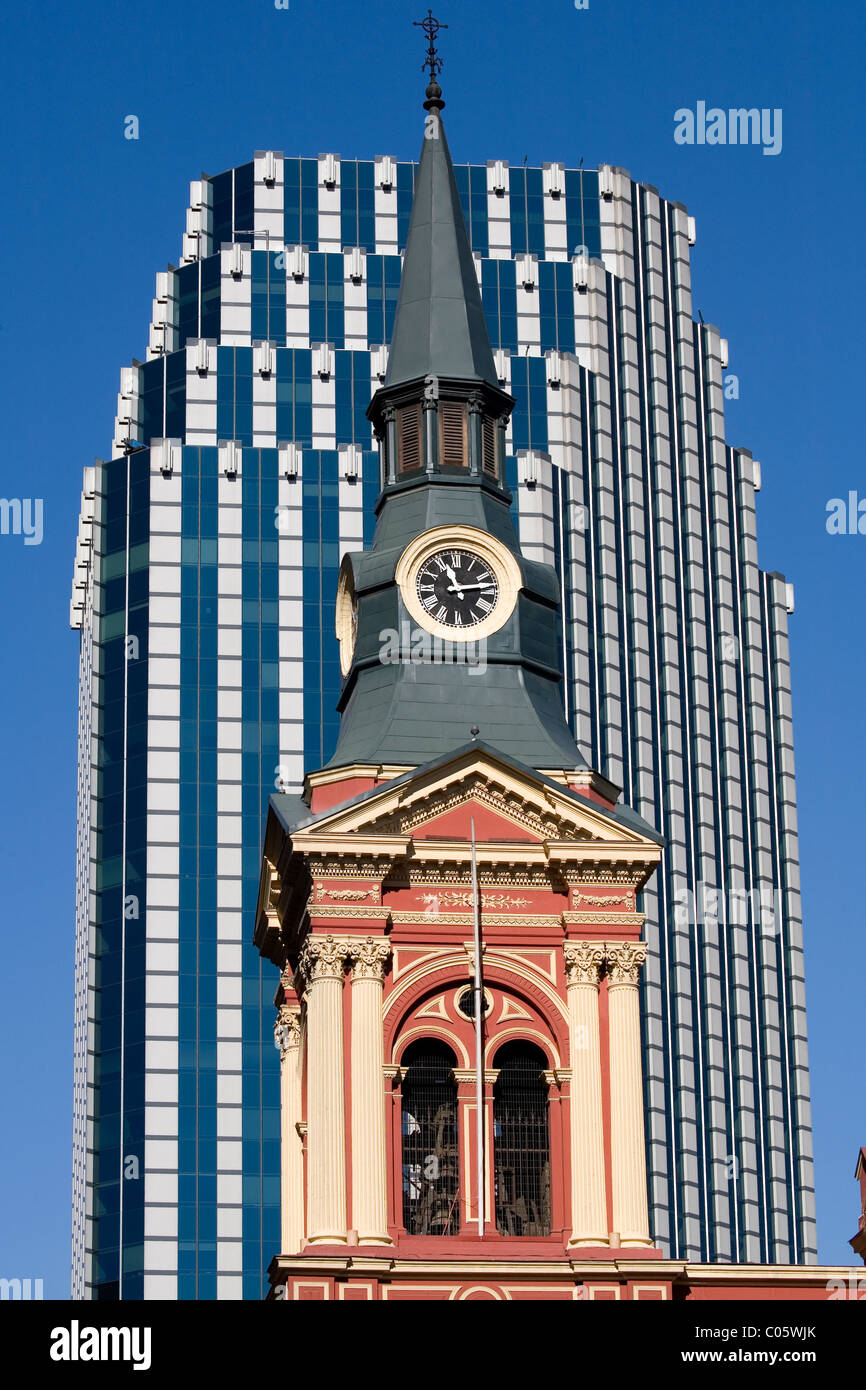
(431, 27)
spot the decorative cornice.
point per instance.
(557, 1076)
(623, 960)
(435, 863)
(369, 958)
(324, 912)
(608, 919)
(323, 958)
(583, 962)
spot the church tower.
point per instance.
(452, 904)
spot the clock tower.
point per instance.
(452, 904)
(444, 593)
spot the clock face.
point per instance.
(456, 588)
(346, 617)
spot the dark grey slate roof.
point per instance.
(439, 328)
(408, 713)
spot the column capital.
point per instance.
(287, 1029)
(369, 957)
(583, 962)
(623, 960)
(322, 958)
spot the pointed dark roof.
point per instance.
(439, 328)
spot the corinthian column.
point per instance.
(369, 1171)
(287, 1036)
(628, 1153)
(583, 961)
(322, 967)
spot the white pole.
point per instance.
(479, 1048)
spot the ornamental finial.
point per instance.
(432, 63)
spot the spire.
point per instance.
(439, 328)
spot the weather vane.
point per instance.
(431, 27)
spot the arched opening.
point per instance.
(430, 1158)
(521, 1141)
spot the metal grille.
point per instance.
(431, 1169)
(521, 1142)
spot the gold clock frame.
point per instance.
(346, 616)
(492, 551)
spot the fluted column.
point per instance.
(287, 1036)
(322, 967)
(583, 962)
(623, 960)
(369, 1164)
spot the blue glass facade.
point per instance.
(587, 512)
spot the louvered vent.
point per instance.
(488, 447)
(409, 438)
(453, 452)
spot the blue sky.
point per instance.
(91, 216)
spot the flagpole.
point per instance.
(479, 1046)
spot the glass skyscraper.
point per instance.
(205, 579)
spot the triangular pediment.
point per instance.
(508, 803)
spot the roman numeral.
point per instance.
(484, 604)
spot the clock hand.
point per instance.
(452, 587)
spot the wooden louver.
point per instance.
(409, 438)
(488, 446)
(453, 451)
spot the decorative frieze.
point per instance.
(346, 894)
(602, 899)
(452, 898)
(548, 920)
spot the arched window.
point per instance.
(431, 1171)
(521, 1142)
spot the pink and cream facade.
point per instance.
(367, 909)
